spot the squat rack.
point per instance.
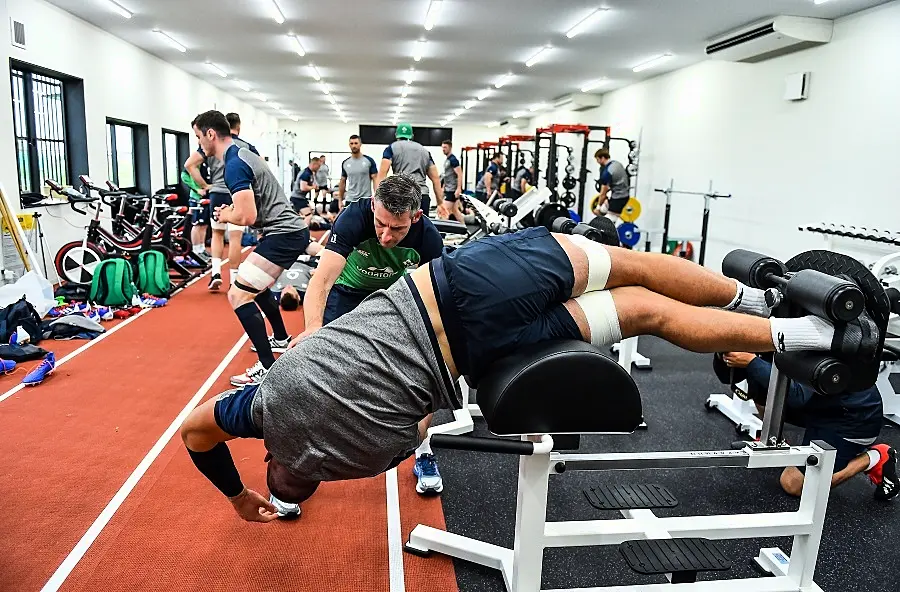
(515, 152)
(707, 197)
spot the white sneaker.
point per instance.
(278, 346)
(253, 375)
(285, 510)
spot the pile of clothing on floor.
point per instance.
(82, 320)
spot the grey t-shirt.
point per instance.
(410, 158)
(322, 175)
(246, 170)
(449, 178)
(358, 174)
(216, 170)
(353, 423)
(619, 183)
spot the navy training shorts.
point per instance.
(283, 249)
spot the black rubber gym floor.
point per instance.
(860, 548)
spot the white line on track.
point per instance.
(395, 544)
(72, 559)
(103, 336)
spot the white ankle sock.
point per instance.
(424, 447)
(751, 301)
(803, 333)
(874, 457)
(198, 249)
(216, 266)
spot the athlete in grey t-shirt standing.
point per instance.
(358, 174)
(408, 157)
(615, 186)
(452, 181)
(260, 202)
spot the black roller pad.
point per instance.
(630, 497)
(608, 229)
(664, 556)
(878, 306)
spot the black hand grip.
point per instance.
(475, 444)
(752, 268)
(821, 371)
(825, 295)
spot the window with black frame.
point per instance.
(120, 155)
(176, 146)
(40, 128)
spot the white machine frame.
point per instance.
(890, 399)
(523, 564)
(742, 413)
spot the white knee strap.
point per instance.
(216, 225)
(599, 262)
(235, 228)
(254, 277)
(602, 317)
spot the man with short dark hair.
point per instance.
(615, 187)
(303, 185)
(489, 183)
(452, 181)
(258, 201)
(402, 350)
(358, 174)
(408, 157)
(519, 184)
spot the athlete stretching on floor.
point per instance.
(258, 201)
(500, 294)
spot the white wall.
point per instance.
(120, 81)
(325, 136)
(830, 158)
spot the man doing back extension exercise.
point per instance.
(402, 351)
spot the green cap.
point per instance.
(404, 130)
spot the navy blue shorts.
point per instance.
(300, 203)
(233, 412)
(426, 204)
(283, 249)
(450, 196)
(219, 198)
(202, 216)
(846, 451)
(341, 300)
(509, 291)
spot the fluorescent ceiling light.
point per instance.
(298, 47)
(445, 122)
(331, 99)
(451, 118)
(537, 107)
(170, 41)
(458, 112)
(518, 114)
(295, 118)
(284, 112)
(434, 9)
(336, 107)
(405, 91)
(276, 12)
(325, 89)
(409, 76)
(542, 52)
(314, 72)
(275, 106)
(589, 86)
(243, 85)
(402, 101)
(483, 94)
(420, 48)
(654, 62)
(125, 13)
(261, 97)
(820, 1)
(469, 105)
(585, 22)
(503, 80)
(214, 68)
(494, 124)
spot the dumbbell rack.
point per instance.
(884, 237)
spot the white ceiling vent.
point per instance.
(770, 38)
(578, 102)
(17, 33)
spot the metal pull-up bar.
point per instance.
(707, 196)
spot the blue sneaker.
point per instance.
(39, 373)
(426, 471)
(7, 366)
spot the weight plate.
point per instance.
(547, 213)
(631, 169)
(594, 201)
(633, 144)
(569, 182)
(598, 185)
(569, 199)
(629, 234)
(631, 211)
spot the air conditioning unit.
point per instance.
(578, 102)
(770, 38)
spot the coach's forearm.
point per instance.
(314, 302)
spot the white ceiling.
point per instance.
(363, 48)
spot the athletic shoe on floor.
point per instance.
(7, 366)
(884, 473)
(215, 281)
(279, 346)
(253, 375)
(41, 371)
(429, 479)
(148, 301)
(122, 314)
(286, 511)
